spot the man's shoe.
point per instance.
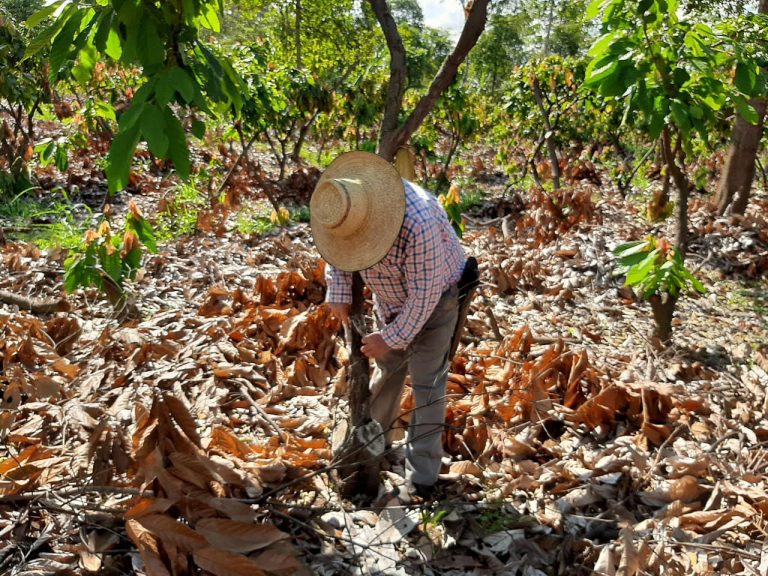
(424, 491)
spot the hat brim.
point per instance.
(386, 193)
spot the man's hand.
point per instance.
(341, 311)
(374, 346)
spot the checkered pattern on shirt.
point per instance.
(425, 260)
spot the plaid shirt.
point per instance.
(425, 260)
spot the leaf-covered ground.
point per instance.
(197, 440)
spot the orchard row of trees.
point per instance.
(549, 86)
(547, 79)
(368, 76)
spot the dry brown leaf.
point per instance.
(11, 397)
(44, 386)
(146, 543)
(606, 562)
(96, 543)
(629, 564)
(183, 418)
(238, 536)
(168, 529)
(144, 506)
(466, 467)
(235, 509)
(225, 563)
(65, 368)
(685, 489)
(280, 558)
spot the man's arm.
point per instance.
(338, 294)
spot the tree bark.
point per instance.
(739, 168)
(549, 135)
(392, 135)
(359, 454)
(359, 392)
(663, 312)
(398, 76)
(678, 176)
(740, 163)
(297, 35)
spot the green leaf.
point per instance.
(120, 157)
(177, 144)
(130, 13)
(153, 130)
(210, 18)
(46, 149)
(639, 272)
(150, 47)
(42, 14)
(61, 159)
(600, 68)
(102, 30)
(594, 8)
(132, 263)
(62, 45)
(44, 38)
(632, 259)
(680, 76)
(656, 124)
(650, 288)
(84, 69)
(713, 101)
(680, 115)
(630, 248)
(745, 78)
(642, 6)
(114, 48)
(698, 286)
(599, 46)
(132, 115)
(113, 266)
(198, 129)
(105, 110)
(74, 273)
(182, 83)
(144, 232)
(746, 110)
(616, 84)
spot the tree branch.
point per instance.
(398, 73)
(473, 27)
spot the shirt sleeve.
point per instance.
(423, 283)
(339, 286)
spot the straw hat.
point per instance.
(356, 210)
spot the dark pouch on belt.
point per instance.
(469, 281)
(470, 278)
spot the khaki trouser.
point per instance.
(426, 359)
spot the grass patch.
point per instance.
(498, 517)
(49, 221)
(259, 219)
(178, 216)
(750, 296)
(247, 222)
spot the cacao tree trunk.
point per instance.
(740, 163)
(678, 175)
(663, 312)
(360, 444)
(549, 134)
(739, 169)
